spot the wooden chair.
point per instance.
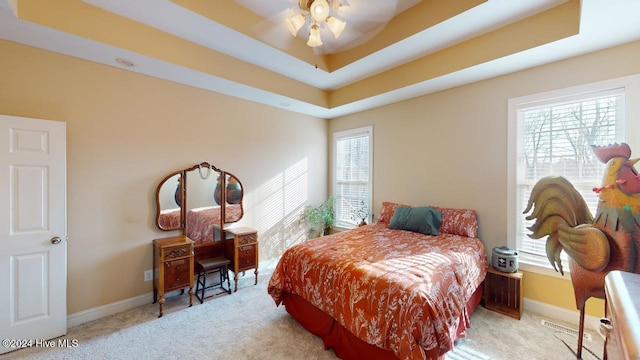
(210, 266)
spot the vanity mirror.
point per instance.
(169, 202)
(197, 199)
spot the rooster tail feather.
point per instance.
(546, 226)
(554, 248)
(554, 202)
(555, 195)
(553, 206)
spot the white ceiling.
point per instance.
(603, 23)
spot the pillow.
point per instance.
(388, 208)
(463, 222)
(422, 219)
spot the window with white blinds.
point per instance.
(352, 161)
(553, 136)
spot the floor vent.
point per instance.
(564, 329)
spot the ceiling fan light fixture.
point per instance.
(314, 36)
(294, 23)
(319, 15)
(336, 26)
(319, 10)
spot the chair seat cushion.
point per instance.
(212, 263)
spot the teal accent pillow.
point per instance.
(422, 219)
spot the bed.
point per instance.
(380, 293)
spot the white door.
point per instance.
(33, 231)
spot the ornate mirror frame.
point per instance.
(183, 197)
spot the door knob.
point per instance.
(56, 240)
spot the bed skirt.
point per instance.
(346, 345)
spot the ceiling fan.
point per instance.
(362, 19)
(317, 13)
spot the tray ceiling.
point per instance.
(391, 50)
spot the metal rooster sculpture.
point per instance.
(610, 241)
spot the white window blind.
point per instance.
(554, 134)
(352, 175)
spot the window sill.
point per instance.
(336, 229)
(534, 267)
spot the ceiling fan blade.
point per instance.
(273, 30)
(270, 8)
(374, 10)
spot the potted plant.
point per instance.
(319, 218)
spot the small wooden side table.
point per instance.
(244, 252)
(503, 292)
(173, 257)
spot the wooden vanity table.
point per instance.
(173, 259)
(200, 201)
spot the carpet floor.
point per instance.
(248, 325)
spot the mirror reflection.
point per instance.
(169, 200)
(204, 201)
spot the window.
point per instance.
(552, 134)
(352, 151)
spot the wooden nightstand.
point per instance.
(173, 258)
(244, 251)
(503, 292)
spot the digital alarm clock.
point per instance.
(504, 259)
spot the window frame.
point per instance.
(631, 125)
(340, 135)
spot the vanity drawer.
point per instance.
(178, 251)
(246, 239)
(176, 274)
(246, 257)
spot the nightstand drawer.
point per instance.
(177, 274)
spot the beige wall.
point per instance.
(450, 148)
(126, 131)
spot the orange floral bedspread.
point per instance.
(399, 290)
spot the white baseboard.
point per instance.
(537, 307)
(96, 313)
(591, 322)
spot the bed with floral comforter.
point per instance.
(403, 292)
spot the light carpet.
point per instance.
(248, 325)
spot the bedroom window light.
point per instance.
(551, 134)
(352, 174)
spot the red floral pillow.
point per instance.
(463, 222)
(388, 208)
